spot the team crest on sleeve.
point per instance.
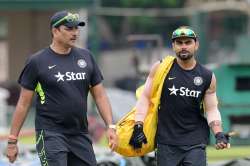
(81, 63)
(198, 81)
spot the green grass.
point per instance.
(27, 140)
(227, 154)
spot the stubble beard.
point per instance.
(184, 56)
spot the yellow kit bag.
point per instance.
(125, 126)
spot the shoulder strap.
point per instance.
(160, 74)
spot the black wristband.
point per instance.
(12, 142)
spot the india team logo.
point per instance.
(198, 81)
(81, 63)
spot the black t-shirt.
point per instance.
(62, 83)
(180, 116)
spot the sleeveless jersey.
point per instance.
(180, 115)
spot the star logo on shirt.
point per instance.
(173, 90)
(59, 76)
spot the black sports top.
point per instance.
(180, 115)
(62, 83)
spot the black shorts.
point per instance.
(169, 155)
(56, 149)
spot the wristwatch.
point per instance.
(112, 126)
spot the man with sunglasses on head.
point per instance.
(182, 129)
(62, 76)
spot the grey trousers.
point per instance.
(57, 149)
(169, 155)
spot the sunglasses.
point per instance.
(69, 18)
(183, 33)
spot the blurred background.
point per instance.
(126, 37)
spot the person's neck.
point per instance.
(58, 48)
(187, 64)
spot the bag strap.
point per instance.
(161, 73)
(158, 79)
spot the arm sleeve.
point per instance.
(211, 102)
(211, 107)
(29, 75)
(142, 105)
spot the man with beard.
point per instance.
(182, 129)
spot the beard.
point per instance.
(184, 55)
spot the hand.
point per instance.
(222, 140)
(12, 152)
(138, 137)
(112, 138)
